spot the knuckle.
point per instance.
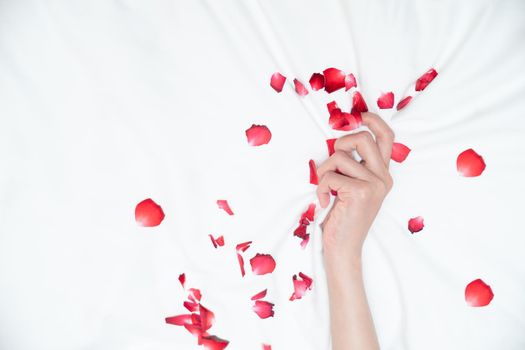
(365, 136)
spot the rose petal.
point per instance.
(317, 81)
(213, 241)
(416, 224)
(358, 103)
(194, 330)
(478, 293)
(182, 279)
(305, 241)
(330, 144)
(386, 100)
(299, 88)
(212, 342)
(223, 204)
(262, 264)
(179, 320)
(241, 264)
(425, 79)
(219, 241)
(470, 164)
(399, 152)
(350, 82)
(334, 79)
(309, 212)
(207, 317)
(260, 295)
(266, 347)
(191, 306)
(313, 172)
(194, 295)
(300, 231)
(148, 213)
(332, 107)
(196, 320)
(343, 121)
(258, 135)
(300, 286)
(403, 103)
(243, 246)
(277, 81)
(263, 309)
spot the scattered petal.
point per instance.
(219, 241)
(194, 295)
(260, 295)
(313, 172)
(334, 79)
(262, 264)
(309, 213)
(241, 264)
(258, 135)
(478, 293)
(243, 246)
(277, 81)
(350, 82)
(263, 309)
(266, 347)
(425, 79)
(343, 121)
(179, 320)
(317, 81)
(299, 88)
(416, 224)
(300, 286)
(191, 306)
(223, 204)
(470, 164)
(148, 213)
(330, 144)
(386, 100)
(358, 103)
(182, 279)
(332, 107)
(399, 152)
(305, 241)
(207, 318)
(403, 103)
(212, 342)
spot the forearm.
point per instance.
(352, 327)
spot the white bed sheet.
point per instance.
(106, 103)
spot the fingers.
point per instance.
(383, 133)
(332, 181)
(342, 161)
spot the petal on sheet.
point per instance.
(330, 144)
(266, 347)
(309, 212)
(350, 82)
(207, 317)
(305, 241)
(196, 319)
(179, 320)
(212, 342)
(148, 213)
(260, 295)
(334, 79)
(213, 241)
(300, 285)
(277, 81)
(478, 293)
(262, 264)
(317, 81)
(470, 164)
(194, 295)
(313, 172)
(194, 330)
(426, 79)
(332, 107)
(258, 135)
(399, 152)
(386, 100)
(241, 247)
(358, 103)
(191, 306)
(263, 309)
(300, 89)
(241, 264)
(300, 231)
(182, 279)
(223, 204)
(402, 104)
(416, 224)
(220, 241)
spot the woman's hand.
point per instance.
(361, 186)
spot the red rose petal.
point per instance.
(179, 320)
(148, 213)
(343, 121)
(212, 342)
(262, 264)
(332, 107)
(425, 79)
(194, 295)
(416, 224)
(358, 103)
(333, 192)
(478, 293)
(182, 279)
(258, 135)
(266, 347)
(300, 231)
(402, 104)
(260, 295)
(309, 212)
(317, 81)
(386, 100)
(305, 241)
(299, 88)
(223, 204)
(399, 152)
(330, 144)
(243, 246)
(241, 264)
(313, 172)
(191, 306)
(470, 164)
(334, 79)
(194, 330)
(277, 81)
(196, 320)
(263, 309)
(300, 286)
(350, 82)
(207, 317)
(219, 241)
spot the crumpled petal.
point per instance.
(191, 306)
(470, 164)
(301, 286)
(402, 104)
(277, 81)
(241, 247)
(148, 213)
(260, 295)
(219, 241)
(300, 88)
(478, 293)
(313, 172)
(207, 317)
(263, 309)
(350, 82)
(262, 264)
(179, 320)
(386, 100)
(415, 224)
(334, 79)
(258, 135)
(358, 103)
(426, 79)
(317, 81)
(223, 204)
(399, 152)
(194, 295)
(212, 342)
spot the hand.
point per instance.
(361, 186)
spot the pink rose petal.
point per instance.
(262, 264)
(194, 295)
(313, 172)
(223, 204)
(212, 342)
(386, 100)
(300, 286)
(258, 135)
(263, 309)
(299, 88)
(277, 81)
(207, 317)
(317, 81)
(148, 213)
(219, 241)
(402, 104)
(426, 79)
(191, 306)
(399, 152)
(478, 293)
(266, 347)
(182, 279)
(334, 79)
(470, 164)
(415, 224)
(305, 241)
(350, 82)
(260, 295)
(179, 320)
